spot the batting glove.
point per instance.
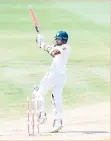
(40, 41)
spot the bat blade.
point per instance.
(34, 18)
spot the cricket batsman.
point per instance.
(54, 79)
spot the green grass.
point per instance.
(22, 64)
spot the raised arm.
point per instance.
(53, 51)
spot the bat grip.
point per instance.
(37, 29)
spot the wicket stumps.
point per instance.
(33, 117)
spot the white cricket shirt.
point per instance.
(59, 62)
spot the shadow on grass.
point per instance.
(83, 132)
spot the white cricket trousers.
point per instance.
(55, 82)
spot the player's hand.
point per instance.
(38, 38)
(40, 41)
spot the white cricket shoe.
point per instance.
(57, 125)
(42, 117)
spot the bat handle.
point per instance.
(37, 29)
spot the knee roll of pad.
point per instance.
(35, 88)
(34, 91)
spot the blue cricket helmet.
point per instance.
(62, 35)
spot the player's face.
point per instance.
(58, 42)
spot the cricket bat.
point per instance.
(34, 19)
